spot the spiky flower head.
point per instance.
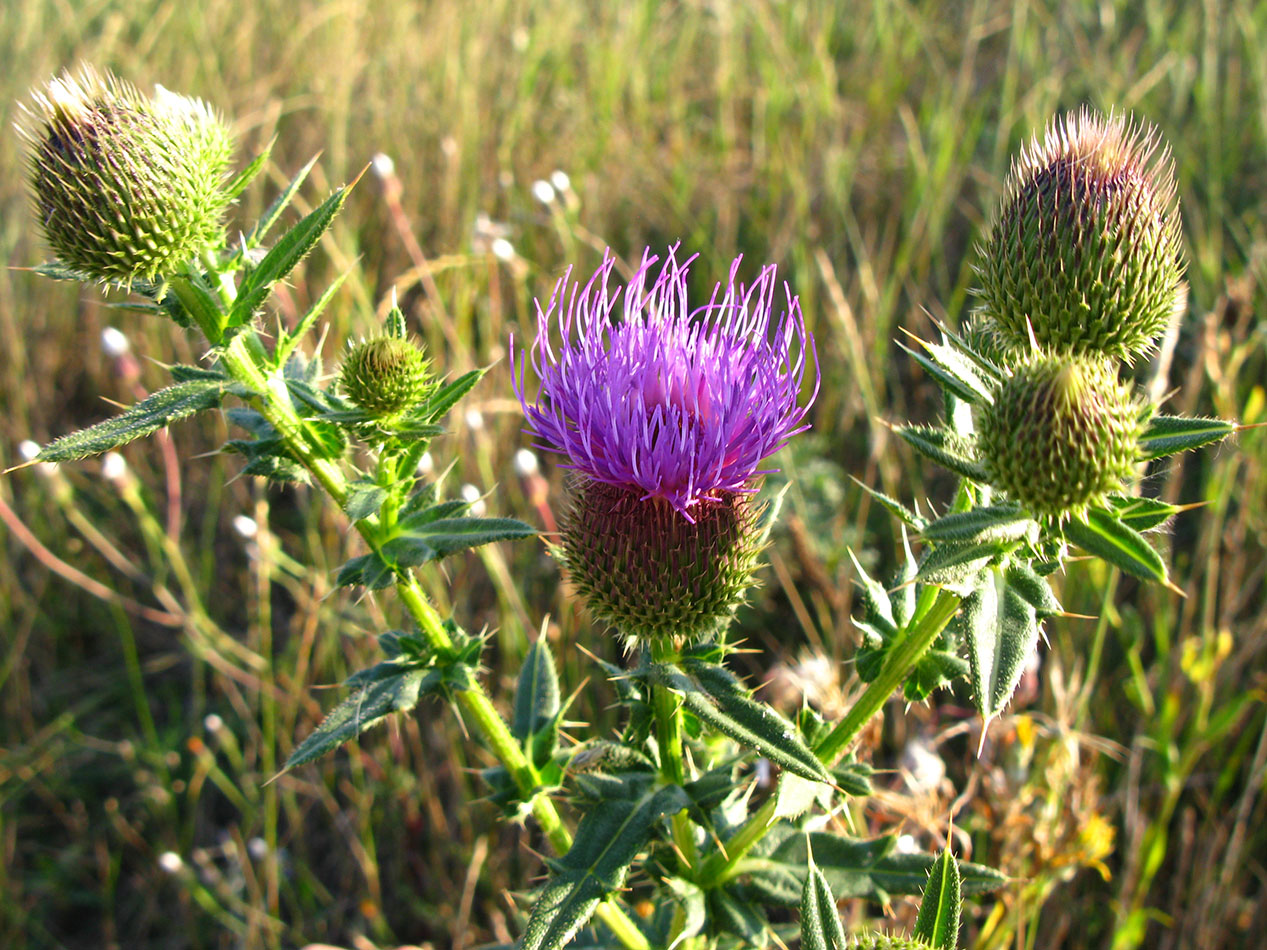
(1061, 434)
(1087, 248)
(126, 186)
(666, 412)
(983, 336)
(879, 941)
(385, 375)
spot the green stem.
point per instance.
(920, 635)
(242, 359)
(901, 660)
(668, 724)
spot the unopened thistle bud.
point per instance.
(1061, 434)
(385, 376)
(666, 413)
(126, 186)
(878, 941)
(1087, 248)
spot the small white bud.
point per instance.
(471, 495)
(114, 343)
(474, 419)
(503, 250)
(245, 526)
(212, 723)
(526, 463)
(562, 183)
(170, 862)
(426, 464)
(543, 191)
(113, 467)
(28, 450)
(382, 165)
(257, 848)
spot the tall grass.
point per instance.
(861, 146)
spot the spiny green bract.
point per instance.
(126, 186)
(385, 375)
(642, 567)
(1062, 433)
(1086, 249)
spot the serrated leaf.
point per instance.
(694, 909)
(239, 182)
(869, 867)
(388, 691)
(957, 564)
(1118, 544)
(188, 374)
(364, 499)
(991, 523)
(536, 692)
(1142, 514)
(1034, 589)
(718, 699)
(937, 923)
(894, 507)
(1168, 435)
(854, 778)
(998, 647)
(608, 839)
(739, 918)
(448, 395)
(287, 342)
(280, 204)
(149, 415)
(368, 570)
(439, 539)
(877, 611)
(820, 920)
(944, 448)
(956, 374)
(283, 256)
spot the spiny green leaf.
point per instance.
(820, 921)
(718, 699)
(877, 611)
(998, 650)
(364, 499)
(895, 507)
(955, 373)
(280, 203)
(238, 183)
(937, 923)
(149, 415)
(536, 693)
(1167, 435)
(694, 908)
(1034, 589)
(286, 342)
(992, 523)
(1142, 514)
(387, 688)
(448, 395)
(283, 256)
(1117, 543)
(740, 918)
(608, 839)
(449, 535)
(955, 564)
(944, 448)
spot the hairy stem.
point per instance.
(668, 724)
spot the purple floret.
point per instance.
(678, 403)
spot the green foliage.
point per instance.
(938, 922)
(820, 921)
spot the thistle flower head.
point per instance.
(385, 375)
(1061, 434)
(1086, 250)
(126, 186)
(880, 941)
(666, 412)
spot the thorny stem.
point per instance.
(668, 724)
(241, 358)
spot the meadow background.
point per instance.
(156, 666)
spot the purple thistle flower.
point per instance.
(649, 394)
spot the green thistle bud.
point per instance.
(984, 337)
(642, 567)
(1087, 246)
(1061, 434)
(385, 375)
(126, 187)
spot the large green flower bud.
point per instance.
(879, 941)
(642, 567)
(385, 375)
(1087, 246)
(1062, 433)
(126, 186)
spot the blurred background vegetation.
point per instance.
(157, 663)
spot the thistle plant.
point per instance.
(666, 410)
